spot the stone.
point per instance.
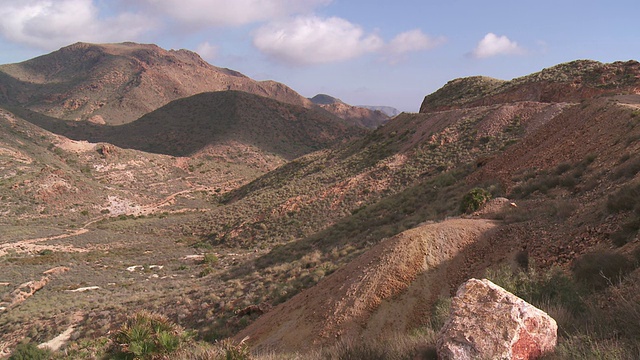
(488, 322)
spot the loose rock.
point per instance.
(488, 322)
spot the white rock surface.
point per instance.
(488, 322)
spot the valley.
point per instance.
(257, 222)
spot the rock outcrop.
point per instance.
(488, 322)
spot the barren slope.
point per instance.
(387, 290)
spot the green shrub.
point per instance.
(233, 351)
(628, 169)
(206, 271)
(474, 199)
(627, 232)
(563, 168)
(599, 269)
(625, 199)
(210, 258)
(440, 313)
(146, 336)
(522, 259)
(30, 351)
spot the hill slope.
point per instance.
(385, 291)
(232, 125)
(361, 116)
(118, 83)
(569, 82)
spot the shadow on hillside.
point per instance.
(141, 135)
(234, 121)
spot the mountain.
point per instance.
(569, 82)
(351, 251)
(388, 110)
(118, 83)
(361, 116)
(231, 125)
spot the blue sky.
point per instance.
(363, 52)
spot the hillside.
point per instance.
(388, 110)
(356, 248)
(357, 115)
(569, 82)
(564, 164)
(118, 83)
(46, 175)
(232, 126)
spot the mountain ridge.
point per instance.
(118, 83)
(567, 82)
(361, 116)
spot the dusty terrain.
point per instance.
(356, 241)
(388, 290)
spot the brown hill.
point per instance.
(377, 224)
(388, 290)
(569, 82)
(356, 115)
(45, 175)
(118, 83)
(232, 125)
(569, 166)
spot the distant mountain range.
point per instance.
(360, 115)
(118, 83)
(388, 110)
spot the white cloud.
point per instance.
(207, 51)
(492, 45)
(232, 12)
(313, 40)
(50, 24)
(413, 40)
(410, 41)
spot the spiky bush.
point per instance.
(147, 335)
(233, 351)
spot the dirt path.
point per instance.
(59, 341)
(388, 289)
(31, 245)
(34, 245)
(632, 101)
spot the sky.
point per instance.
(374, 52)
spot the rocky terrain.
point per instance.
(351, 251)
(358, 115)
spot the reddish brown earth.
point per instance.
(387, 290)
